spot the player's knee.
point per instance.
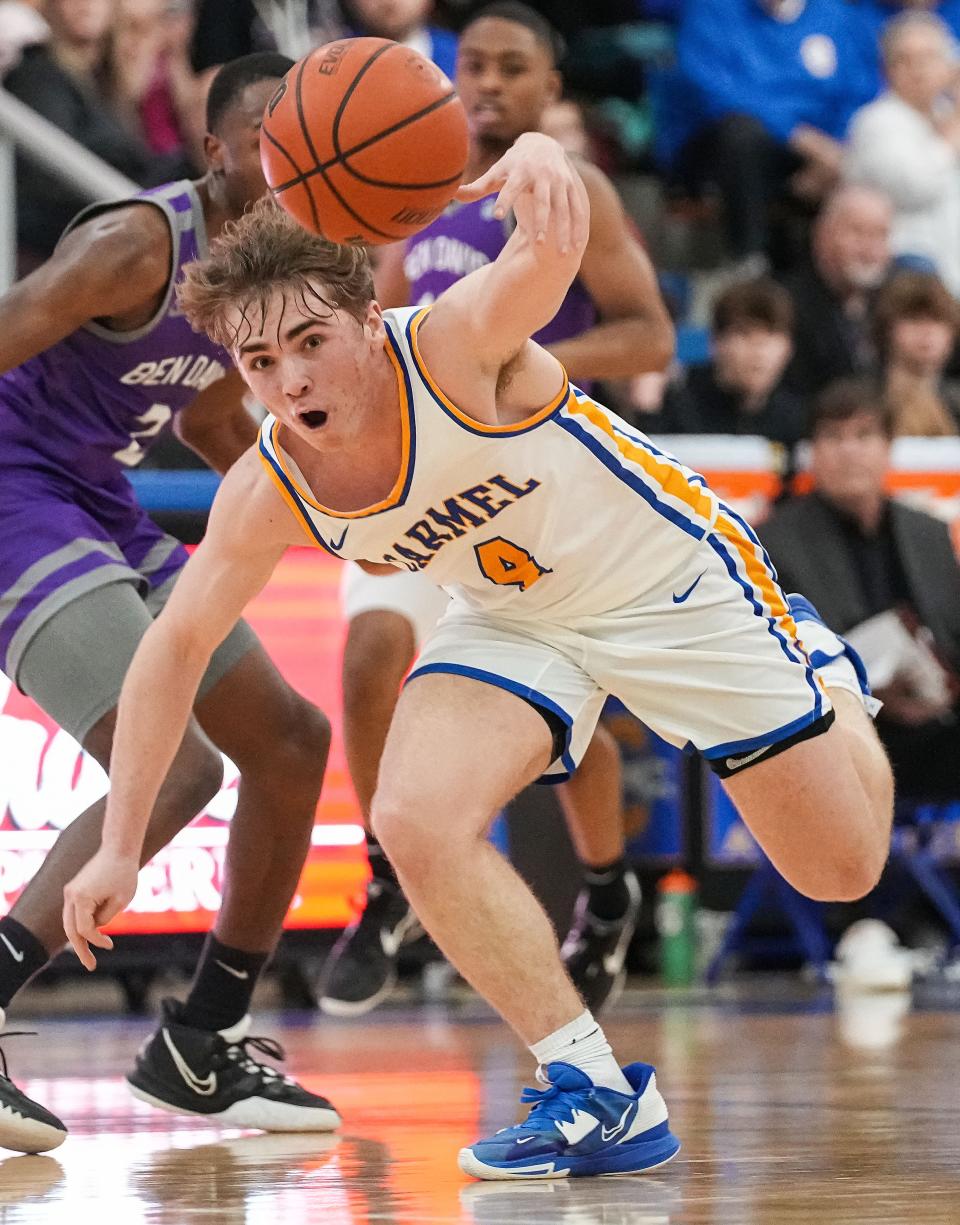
(379, 649)
(845, 876)
(292, 750)
(195, 776)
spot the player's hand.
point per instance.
(539, 182)
(96, 894)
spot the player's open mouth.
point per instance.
(314, 418)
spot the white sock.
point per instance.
(583, 1045)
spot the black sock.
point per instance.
(608, 896)
(21, 956)
(380, 865)
(222, 986)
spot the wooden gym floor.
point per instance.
(790, 1110)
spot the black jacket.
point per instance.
(44, 205)
(809, 551)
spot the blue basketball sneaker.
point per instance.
(832, 657)
(576, 1129)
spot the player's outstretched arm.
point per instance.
(248, 532)
(107, 267)
(496, 309)
(217, 425)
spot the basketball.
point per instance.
(364, 141)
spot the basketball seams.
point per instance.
(318, 167)
(341, 158)
(348, 94)
(335, 182)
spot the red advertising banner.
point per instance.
(46, 780)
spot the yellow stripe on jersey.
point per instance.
(758, 574)
(298, 512)
(670, 479)
(479, 426)
(393, 497)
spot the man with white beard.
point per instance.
(833, 292)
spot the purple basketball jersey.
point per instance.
(466, 237)
(93, 404)
(72, 419)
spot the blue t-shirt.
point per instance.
(733, 57)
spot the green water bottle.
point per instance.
(676, 918)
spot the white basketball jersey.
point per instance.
(570, 513)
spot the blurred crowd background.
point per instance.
(793, 169)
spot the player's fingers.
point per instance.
(72, 929)
(579, 215)
(542, 208)
(560, 216)
(484, 186)
(508, 195)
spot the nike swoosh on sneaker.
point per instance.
(608, 1134)
(685, 595)
(16, 954)
(392, 938)
(241, 974)
(734, 763)
(526, 1139)
(206, 1086)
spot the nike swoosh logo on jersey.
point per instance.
(734, 763)
(685, 595)
(16, 954)
(608, 1134)
(206, 1086)
(338, 544)
(241, 974)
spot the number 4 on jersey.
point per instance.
(507, 564)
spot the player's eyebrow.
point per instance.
(259, 346)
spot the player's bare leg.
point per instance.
(361, 969)
(608, 905)
(833, 793)
(446, 769)
(280, 742)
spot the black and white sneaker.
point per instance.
(595, 950)
(25, 1125)
(214, 1074)
(362, 967)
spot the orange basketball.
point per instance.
(364, 141)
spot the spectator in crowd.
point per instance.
(154, 86)
(739, 390)
(885, 575)
(64, 80)
(761, 99)
(833, 291)
(226, 29)
(916, 323)
(907, 142)
(408, 22)
(21, 25)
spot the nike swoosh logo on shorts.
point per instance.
(206, 1086)
(241, 974)
(685, 595)
(734, 763)
(16, 954)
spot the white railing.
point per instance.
(60, 155)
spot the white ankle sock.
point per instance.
(583, 1044)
